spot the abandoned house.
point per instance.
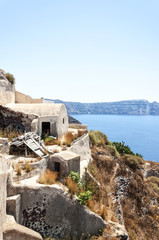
(52, 118)
(48, 118)
(64, 163)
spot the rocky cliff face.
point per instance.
(7, 90)
(15, 119)
(132, 107)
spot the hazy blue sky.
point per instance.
(82, 50)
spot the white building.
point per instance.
(52, 118)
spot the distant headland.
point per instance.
(129, 107)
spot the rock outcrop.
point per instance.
(7, 90)
(10, 118)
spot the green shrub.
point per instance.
(122, 148)
(113, 151)
(75, 186)
(10, 78)
(97, 138)
(125, 149)
(75, 177)
(139, 155)
(133, 162)
(84, 196)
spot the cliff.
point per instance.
(128, 197)
(131, 107)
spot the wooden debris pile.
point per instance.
(27, 144)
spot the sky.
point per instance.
(82, 50)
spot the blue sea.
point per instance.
(141, 133)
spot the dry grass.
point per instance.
(28, 167)
(154, 183)
(97, 138)
(133, 162)
(140, 216)
(49, 141)
(1, 133)
(103, 213)
(48, 177)
(69, 137)
(11, 134)
(113, 151)
(72, 186)
(19, 171)
(78, 126)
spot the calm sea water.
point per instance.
(141, 133)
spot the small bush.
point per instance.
(113, 151)
(84, 196)
(48, 177)
(125, 149)
(69, 137)
(7, 133)
(19, 171)
(72, 186)
(154, 183)
(133, 162)
(122, 148)
(10, 78)
(97, 138)
(80, 133)
(51, 141)
(28, 167)
(74, 176)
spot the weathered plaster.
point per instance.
(51, 212)
(81, 147)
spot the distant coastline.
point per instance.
(131, 107)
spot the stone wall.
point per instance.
(22, 98)
(51, 212)
(8, 117)
(7, 90)
(81, 148)
(3, 192)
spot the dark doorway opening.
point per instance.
(57, 167)
(46, 128)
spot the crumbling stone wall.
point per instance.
(51, 212)
(9, 116)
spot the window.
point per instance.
(63, 120)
